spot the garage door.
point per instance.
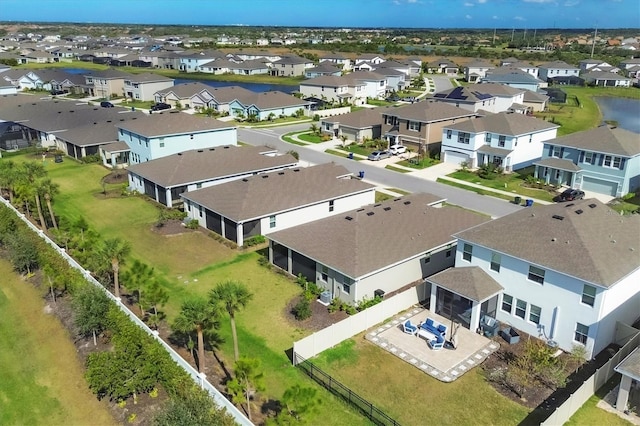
(455, 157)
(599, 186)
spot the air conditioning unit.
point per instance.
(325, 297)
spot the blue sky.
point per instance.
(336, 13)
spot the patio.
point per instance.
(445, 364)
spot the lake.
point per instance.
(625, 111)
(254, 87)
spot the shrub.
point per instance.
(489, 171)
(254, 241)
(367, 303)
(316, 117)
(335, 305)
(302, 309)
(93, 158)
(193, 224)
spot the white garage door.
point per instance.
(455, 157)
(599, 186)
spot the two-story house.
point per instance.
(191, 61)
(291, 66)
(142, 87)
(420, 125)
(476, 70)
(270, 202)
(557, 69)
(338, 60)
(603, 160)
(568, 272)
(631, 67)
(513, 77)
(161, 134)
(443, 66)
(471, 98)
(375, 85)
(508, 140)
(107, 83)
(335, 89)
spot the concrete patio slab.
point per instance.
(445, 364)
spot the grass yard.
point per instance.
(419, 163)
(396, 169)
(412, 397)
(474, 189)
(137, 104)
(357, 149)
(341, 154)
(41, 377)
(311, 138)
(590, 415)
(628, 204)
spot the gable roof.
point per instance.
(497, 89)
(557, 65)
(331, 81)
(148, 77)
(362, 119)
(471, 282)
(585, 239)
(429, 111)
(270, 100)
(209, 164)
(366, 240)
(510, 75)
(464, 94)
(172, 123)
(270, 193)
(603, 75)
(602, 139)
(504, 123)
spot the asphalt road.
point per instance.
(379, 176)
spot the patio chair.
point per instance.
(409, 328)
(437, 343)
(489, 326)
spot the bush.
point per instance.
(302, 309)
(193, 224)
(489, 171)
(316, 117)
(254, 241)
(93, 158)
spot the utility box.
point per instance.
(325, 297)
(379, 293)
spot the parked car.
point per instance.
(570, 195)
(411, 99)
(160, 106)
(392, 98)
(106, 104)
(58, 92)
(397, 149)
(378, 155)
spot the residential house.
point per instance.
(513, 77)
(165, 179)
(335, 89)
(373, 250)
(551, 70)
(476, 70)
(355, 126)
(187, 95)
(322, 70)
(267, 105)
(142, 87)
(603, 160)
(270, 202)
(442, 66)
(191, 61)
(471, 98)
(409, 69)
(375, 85)
(535, 101)
(291, 66)
(58, 79)
(396, 80)
(588, 65)
(506, 98)
(420, 125)
(606, 79)
(568, 272)
(21, 79)
(162, 134)
(507, 140)
(106, 84)
(251, 67)
(338, 60)
(522, 66)
(631, 67)
(40, 57)
(369, 59)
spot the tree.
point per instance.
(116, 250)
(90, 306)
(49, 190)
(8, 177)
(192, 406)
(294, 154)
(27, 189)
(248, 380)
(156, 296)
(297, 402)
(232, 296)
(23, 251)
(200, 316)
(315, 129)
(137, 278)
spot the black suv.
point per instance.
(160, 106)
(106, 104)
(570, 195)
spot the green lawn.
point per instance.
(41, 379)
(396, 169)
(137, 104)
(590, 415)
(627, 205)
(412, 397)
(419, 163)
(357, 149)
(474, 189)
(340, 154)
(311, 138)
(380, 102)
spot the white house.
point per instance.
(375, 84)
(335, 89)
(477, 69)
(569, 271)
(508, 140)
(161, 134)
(556, 69)
(142, 87)
(270, 202)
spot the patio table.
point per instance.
(425, 334)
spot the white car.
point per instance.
(397, 149)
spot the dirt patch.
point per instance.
(171, 227)
(320, 316)
(116, 177)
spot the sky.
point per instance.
(520, 14)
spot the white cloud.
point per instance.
(571, 3)
(468, 16)
(495, 17)
(467, 4)
(539, 1)
(482, 1)
(519, 18)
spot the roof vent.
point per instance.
(265, 176)
(280, 173)
(108, 121)
(122, 119)
(593, 205)
(245, 180)
(179, 153)
(406, 203)
(396, 199)
(377, 205)
(200, 150)
(370, 213)
(570, 204)
(579, 211)
(296, 170)
(226, 147)
(348, 218)
(556, 216)
(212, 149)
(386, 209)
(59, 112)
(95, 123)
(72, 110)
(360, 210)
(554, 239)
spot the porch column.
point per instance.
(432, 300)
(271, 252)
(535, 172)
(289, 262)
(239, 234)
(474, 321)
(623, 393)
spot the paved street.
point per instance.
(377, 175)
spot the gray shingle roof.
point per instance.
(594, 244)
(275, 192)
(429, 111)
(603, 75)
(504, 123)
(471, 282)
(148, 77)
(557, 65)
(602, 139)
(362, 119)
(210, 164)
(558, 163)
(496, 89)
(378, 236)
(330, 81)
(510, 75)
(172, 123)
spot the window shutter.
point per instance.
(550, 150)
(561, 152)
(622, 161)
(601, 159)
(407, 124)
(581, 156)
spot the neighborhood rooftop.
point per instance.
(615, 141)
(504, 123)
(172, 123)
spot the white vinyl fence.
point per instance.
(200, 379)
(324, 339)
(624, 334)
(323, 113)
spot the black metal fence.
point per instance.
(374, 414)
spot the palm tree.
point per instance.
(199, 315)
(49, 190)
(8, 177)
(116, 250)
(315, 130)
(232, 296)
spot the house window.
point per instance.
(582, 331)
(200, 210)
(190, 136)
(272, 221)
(467, 252)
(521, 308)
(414, 126)
(388, 120)
(507, 303)
(198, 185)
(536, 274)
(534, 314)
(448, 253)
(327, 126)
(495, 262)
(161, 144)
(448, 134)
(557, 152)
(501, 140)
(530, 138)
(427, 259)
(331, 205)
(589, 158)
(324, 274)
(346, 284)
(588, 295)
(463, 137)
(487, 138)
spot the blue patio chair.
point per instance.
(437, 343)
(409, 328)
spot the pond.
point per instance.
(626, 112)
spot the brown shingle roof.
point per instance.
(210, 164)
(362, 119)
(271, 193)
(504, 123)
(471, 282)
(172, 123)
(602, 139)
(591, 241)
(378, 236)
(429, 111)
